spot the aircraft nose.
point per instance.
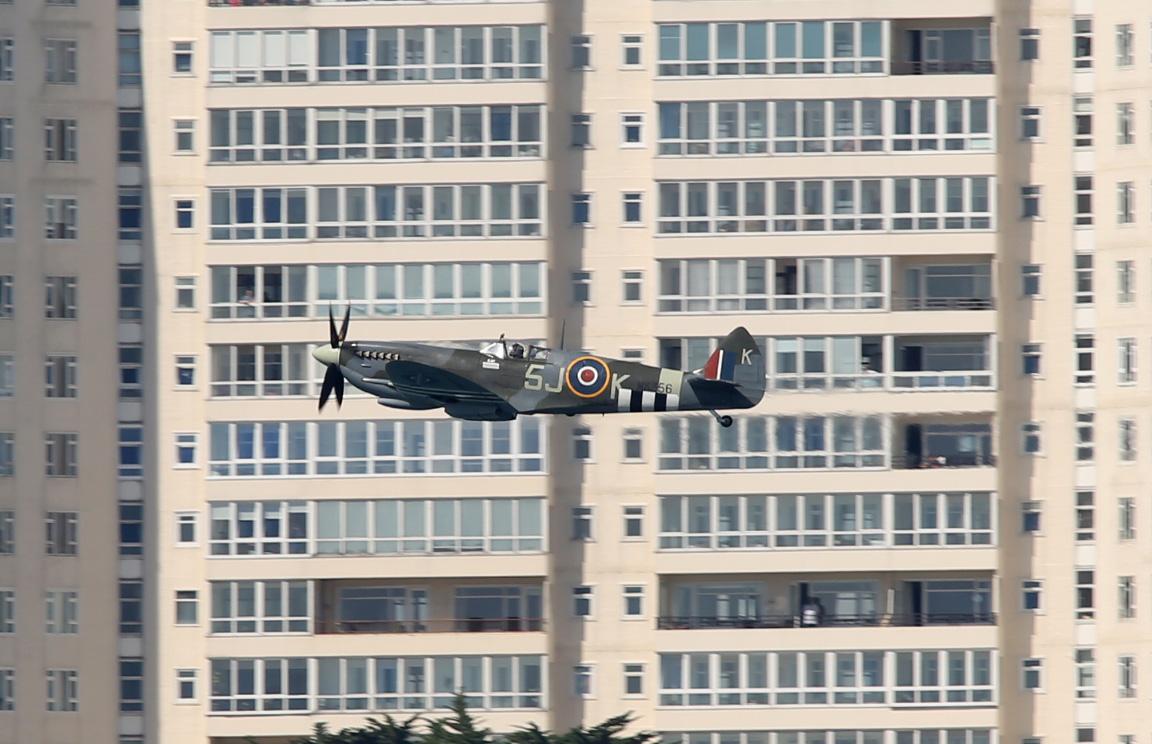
(326, 354)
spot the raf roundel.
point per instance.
(587, 377)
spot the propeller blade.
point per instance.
(344, 325)
(326, 388)
(339, 388)
(333, 338)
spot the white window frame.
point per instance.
(187, 518)
(633, 122)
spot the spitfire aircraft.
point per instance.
(507, 378)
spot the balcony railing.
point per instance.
(943, 303)
(469, 625)
(254, 3)
(954, 380)
(907, 620)
(961, 67)
(878, 381)
(955, 460)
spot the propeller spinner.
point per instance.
(330, 355)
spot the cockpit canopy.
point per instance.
(508, 349)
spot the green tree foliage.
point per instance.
(461, 728)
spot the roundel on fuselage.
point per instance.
(587, 377)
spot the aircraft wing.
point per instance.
(414, 378)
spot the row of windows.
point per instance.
(385, 133)
(825, 205)
(60, 454)
(814, 126)
(817, 442)
(275, 685)
(378, 55)
(835, 736)
(61, 690)
(380, 290)
(385, 527)
(60, 217)
(377, 212)
(273, 449)
(1085, 441)
(837, 520)
(819, 285)
(929, 677)
(61, 611)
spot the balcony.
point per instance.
(920, 304)
(944, 46)
(943, 67)
(255, 3)
(946, 442)
(466, 625)
(679, 622)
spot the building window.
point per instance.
(186, 685)
(1030, 359)
(582, 679)
(7, 689)
(131, 685)
(1030, 280)
(1030, 592)
(581, 52)
(581, 523)
(185, 214)
(1030, 122)
(1085, 594)
(633, 601)
(632, 355)
(7, 301)
(60, 217)
(187, 606)
(633, 522)
(581, 209)
(62, 693)
(1125, 39)
(61, 611)
(1126, 360)
(7, 134)
(632, 130)
(1082, 194)
(633, 283)
(1030, 517)
(60, 61)
(131, 606)
(1127, 431)
(1085, 436)
(184, 132)
(1082, 109)
(582, 601)
(1082, 42)
(131, 358)
(182, 57)
(581, 130)
(1125, 282)
(633, 202)
(1127, 518)
(632, 46)
(60, 140)
(131, 451)
(131, 135)
(1085, 659)
(1125, 203)
(7, 532)
(60, 455)
(1029, 44)
(633, 445)
(7, 60)
(131, 528)
(264, 607)
(59, 376)
(1085, 516)
(186, 449)
(7, 611)
(1032, 671)
(128, 59)
(1125, 123)
(185, 293)
(7, 217)
(582, 443)
(1085, 359)
(7, 455)
(131, 292)
(61, 533)
(7, 375)
(1031, 436)
(1126, 597)
(1085, 292)
(1030, 202)
(581, 287)
(186, 528)
(186, 370)
(1127, 676)
(130, 214)
(633, 680)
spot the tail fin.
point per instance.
(739, 361)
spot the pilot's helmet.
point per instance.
(517, 350)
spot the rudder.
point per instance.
(738, 360)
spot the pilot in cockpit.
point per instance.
(516, 351)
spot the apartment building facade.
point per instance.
(912, 540)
